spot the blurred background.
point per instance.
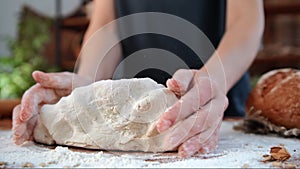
(47, 35)
(34, 34)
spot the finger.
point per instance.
(204, 120)
(214, 115)
(62, 92)
(16, 114)
(31, 124)
(196, 97)
(211, 144)
(54, 80)
(22, 130)
(180, 81)
(207, 139)
(19, 128)
(21, 140)
(194, 144)
(32, 98)
(28, 135)
(17, 124)
(186, 129)
(61, 80)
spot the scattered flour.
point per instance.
(235, 150)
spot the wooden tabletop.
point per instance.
(5, 124)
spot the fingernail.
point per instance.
(172, 82)
(24, 116)
(164, 125)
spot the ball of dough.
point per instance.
(276, 97)
(109, 114)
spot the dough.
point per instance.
(109, 114)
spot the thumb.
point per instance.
(53, 80)
(180, 82)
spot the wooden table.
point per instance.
(235, 150)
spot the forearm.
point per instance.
(100, 52)
(100, 56)
(237, 49)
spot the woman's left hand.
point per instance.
(200, 110)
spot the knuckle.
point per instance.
(188, 73)
(181, 71)
(16, 109)
(226, 102)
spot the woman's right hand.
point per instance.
(50, 87)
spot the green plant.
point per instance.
(254, 80)
(26, 55)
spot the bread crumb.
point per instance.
(42, 164)
(76, 165)
(245, 165)
(27, 165)
(52, 162)
(3, 163)
(259, 146)
(280, 153)
(290, 165)
(267, 158)
(276, 164)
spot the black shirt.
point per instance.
(208, 15)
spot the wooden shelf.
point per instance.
(281, 49)
(7, 106)
(265, 62)
(275, 7)
(75, 22)
(5, 124)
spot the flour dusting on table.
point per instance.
(236, 149)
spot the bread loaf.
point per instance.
(274, 104)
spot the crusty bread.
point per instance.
(276, 97)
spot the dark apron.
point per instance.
(208, 15)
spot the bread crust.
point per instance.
(277, 98)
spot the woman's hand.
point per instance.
(49, 89)
(200, 108)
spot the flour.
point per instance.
(235, 150)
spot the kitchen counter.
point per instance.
(236, 150)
